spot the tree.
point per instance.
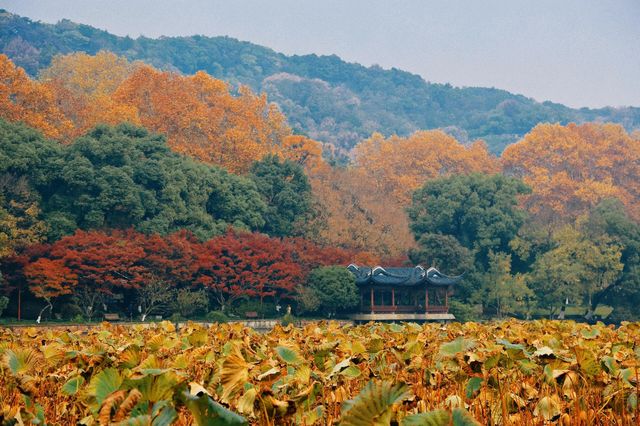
(20, 223)
(310, 255)
(108, 264)
(443, 252)
(572, 168)
(575, 269)
(121, 177)
(480, 211)
(286, 192)
(335, 287)
(446, 254)
(4, 302)
(303, 151)
(398, 166)
(356, 216)
(506, 293)
(49, 279)
(240, 265)
(154, 296)
(22, 99)
(83, 86)
(609, 219)
(187, 302)
(202, 119)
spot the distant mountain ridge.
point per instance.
(323, 97)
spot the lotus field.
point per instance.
(540, 372)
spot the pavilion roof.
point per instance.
(405, 277)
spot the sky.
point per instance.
(576, 52)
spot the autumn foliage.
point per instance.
(398, 166)
(22, 99)
(95, 264)
(356, 210)
(572, 168)
(202, 119)
(83, 87)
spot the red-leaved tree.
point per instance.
(237, 265)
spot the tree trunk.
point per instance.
(50, 306)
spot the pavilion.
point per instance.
(403, 294)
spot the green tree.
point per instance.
(576, 269)
(480, 211)
(506, 293)
(458, 220)
(123, 176)
(610, 219)
(4, 301)
(446, 254)
(21, 223)
(286, 191)
(335, 288)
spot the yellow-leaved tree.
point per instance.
(572, 168)
(83, 86)
(202, 118)
(22, 99)
(398, 166)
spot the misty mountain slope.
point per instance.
(323, 96)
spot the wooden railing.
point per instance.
(436, 309)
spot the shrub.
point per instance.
(267, 309)
(4, 302)
(176, 317)
(335, 287)
(79, 318)
(217, 316)
(188, 302)
(287, 319)
(308, 300)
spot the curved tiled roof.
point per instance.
(401, 276)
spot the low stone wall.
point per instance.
(268, 324)
(256, 324)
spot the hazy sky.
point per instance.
(577, 52)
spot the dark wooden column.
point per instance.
(393, 296)
(426, 300)
(371, 299)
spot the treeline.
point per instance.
(91, 272)
(552, 221)
(323, 97)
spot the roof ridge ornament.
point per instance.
(405, 276)
(379, 270)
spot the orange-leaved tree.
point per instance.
(49, 279)
(83, 86)
(358, 217)
(572, 168)
(202, 118)
(22, 99)
(398, 166)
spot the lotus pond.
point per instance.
(539, 372)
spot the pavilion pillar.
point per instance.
(371, 289)
(426, 300)
(393, 296)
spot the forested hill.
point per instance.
(323, 96)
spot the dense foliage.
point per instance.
(509, 372)
(125, 177)
(323, 96)
(94, 272)
(528, 229)
(335, 289)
